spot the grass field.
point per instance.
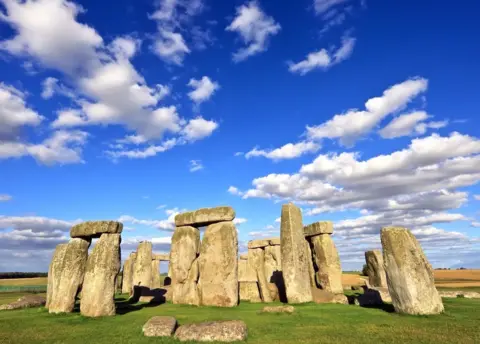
(311, 324)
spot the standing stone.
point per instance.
(273, 262)
(256, 257)
(142, 271)
(329, 274)
(103, 265)
(156, 280)
(311, 269)
(409, 274)
(70, 276)
(128, 266)
(54, 272)
(183, 254)
(294, 256)
(247, 282)
(375, 269)
(218, 283)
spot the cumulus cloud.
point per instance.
(408, 124)
(239, 220)
(35, 224)
(5, 198)
(163, 225)
(323, 58)
(195, 165)
(198, 128)
(203, 89)
(288, 151)
(234, 191)
(255, 29)
(323, 6)
(354, 124)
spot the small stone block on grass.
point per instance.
(160, 326)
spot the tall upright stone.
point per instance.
(409, 274)
(294, 256)
(311, 268)
(128, 266)
(54, 272)
(156, 279)
(218, 264)
(103, 265)
(329, 274)
(375, 269)
(247, 281)
(142, 270)
(256, 257)
(273, 262)
(183, 255)
(70, 277)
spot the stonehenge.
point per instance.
(375, 269)
(409, 274)
(73, 270)
(205, 273)
(128, 266)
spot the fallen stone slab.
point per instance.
(159, 326)
(27, 301)
(323, 296)
(258, 243)
(93, 229)
(205, 216)
(317, 228)
(220, 331)
(278, 309)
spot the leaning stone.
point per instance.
(93, 229)
(103, 265)
(156, 279)
(54, 272)
(159, 326)
(218, 263)
(317, 228)
(294, 256)
(258, 243)
(329, 274)
(278, 309)
(375, 269)
(27, 301)
(163, 257)
(71, 276)
(249, 291)
(204, 217)
(128, 266)
(183, 255)
(256, 257)
(142, 272)
(409, 274)
(220, 331)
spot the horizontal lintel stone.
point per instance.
(317, 228)
(205, 216)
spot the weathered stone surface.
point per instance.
(383, 292)
(221, 331)
(273, 262)
(159, 326)
(205, 216)
(246, 272)
(409, 274)
(256, 258)
(294, 256)
(142, 271)
(27, 301)
(249, 291)
(258, 243)
(184, 266)
(93, 229)
(323, 296)
(128, 267)
(103, 265)
(244, 256)
(317, 228)
(71, 276)
(329, 274)
(375, 269)
(274, 241)
(163, 257)
(471, 295)
(156, 280)
(218, 283)
(311, 268)
(278, 309)
(54, 271)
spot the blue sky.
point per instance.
(361, 112)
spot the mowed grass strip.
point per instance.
(311, 323)
(36, 281)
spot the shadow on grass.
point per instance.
(142, 297)
(370, 298)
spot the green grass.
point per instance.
(311, 324)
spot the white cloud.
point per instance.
(323, 58)
(234, 191)
(5, 198)
(14, 113)
(198, 128)
(477, 197)
(354, 124)
(49, 85)
(34, 223)
(162, 206)
(408, 124)
(288, 151)
(322, 6)
(195, 165)
(171, 47)
(62, 147)
(255, 28)
(142, 153)
(203, 89)
(167, 224)
(239, 220)
(475, 224)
